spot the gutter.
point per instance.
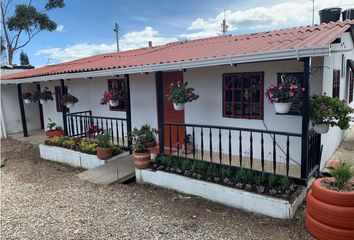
(225, 60)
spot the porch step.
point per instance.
(120, 170)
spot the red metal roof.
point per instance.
(206, 48)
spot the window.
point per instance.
(58, 97)
(116, 85)
(336, 83)
(297, 77)
(351, 85)
(243, 95)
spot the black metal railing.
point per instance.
(233, 146)
(84, 125)
(314, 153)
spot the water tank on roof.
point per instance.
(330, 15)
(348, 14)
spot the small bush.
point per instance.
(342, 173)
(249, 177)
(104, 139)
(185, 164)
(88, 146)
(240, 175)
(225, 172)
(272, 180)
(212, 170)
(285, 183)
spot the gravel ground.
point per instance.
(44, 200)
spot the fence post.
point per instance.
(65, 109)
(22, 110)
(160, 109)
(305, 118)
(128, 109)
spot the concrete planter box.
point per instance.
(252, 202)
(73, 158)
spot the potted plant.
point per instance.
(27, 97)
(330, 204)
(327, 111)
(282, 95)
(180, 94)
(147, 135)
(112, 97)
(141, 153)
(54, 129)
(104, 149)
(43, 96)
(69, 100)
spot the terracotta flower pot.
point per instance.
(142, 160)
(104, 153)
(329, 213)
(150, 144)
(54, 133)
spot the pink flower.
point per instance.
(271, 86)
(280, 87)
(322, 106)
(276, 99)
(303, 89)
(291, 94)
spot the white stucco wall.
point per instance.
(11, 109)
(332, 139)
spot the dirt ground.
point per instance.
(45, 200)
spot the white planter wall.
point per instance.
(232, 197)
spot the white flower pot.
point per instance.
(321, 128)
(42, 101)
(282, 107)
(178, 106)
(27, 101)
(69, 105)
(113, 103)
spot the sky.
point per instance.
(85, 27)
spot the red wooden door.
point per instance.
(170, 114)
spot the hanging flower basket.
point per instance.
(113, 103)
(282, 107)
(178, 106)
(69, 100)
(283, 94)
(180, 94)
(112, 98)
(327, 111)
(27, 97)
(321, 128)
(43, 97)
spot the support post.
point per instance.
(128, 109)
(305, 118)
(65, 109)
(22, 110)
(160, 109)
(40, 107)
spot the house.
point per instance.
(226, 124)
(11, 122)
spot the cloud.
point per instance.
(280, 15)
(131, 40)
(60, 28)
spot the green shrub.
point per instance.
(225, 172)
(285, 183)
(342, 173)
(212, 170)
(272, 180)
(249, 177)
(104, 139)
(116, 150)
(88, 146)
(240, 175)
(259, 179)
(185, 164)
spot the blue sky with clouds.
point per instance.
(85, 27)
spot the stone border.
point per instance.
(252, 202)
(74, 158)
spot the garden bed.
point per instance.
(76, 152)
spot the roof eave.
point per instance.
(209, 62)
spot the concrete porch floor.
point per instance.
(35, 137)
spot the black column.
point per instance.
(22, 109)
(160, 109)
(65, 109)
(40, 107)
(128, 108)
(305, 118)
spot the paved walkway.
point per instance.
(345, 152)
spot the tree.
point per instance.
(24, 58)
(3, 48)
(25, 23)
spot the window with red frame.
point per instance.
(58, 97)
(243, 95)
(336, 83)
(116, 85)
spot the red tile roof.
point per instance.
(206, 48)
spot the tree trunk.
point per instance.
(10, 55)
